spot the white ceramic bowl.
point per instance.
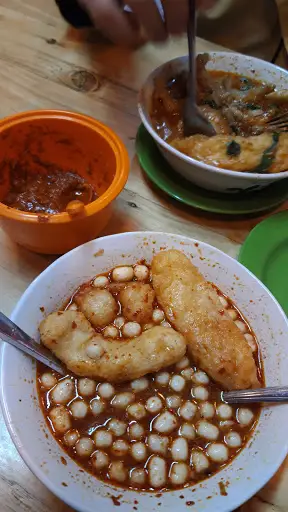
(208, 176)
(244, 476)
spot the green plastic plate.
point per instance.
(162, 175)
(265, 253)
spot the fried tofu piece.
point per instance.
(192, 306)
(137, 302)
(213, 151)
(70, 336)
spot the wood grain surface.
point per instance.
(46, 64)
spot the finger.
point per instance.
(149, 18)
(176, 15)
(109, 18)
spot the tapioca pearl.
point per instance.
(111, 332)
(86, 387)
(179, 449)
(158, 316)
(71, 437)
(207, 430)
(200, 393)
(99, 460)
(63, 392)
(137, 411)
(165, 324)
(201, 377)
(60, 418)
(244, 416)
(79, 409)
(188, 431)
(122, 400)
(224, 411)
(226, 424)
(106, 391)
(117, 427)
(182, 364)
(120, 448)
(154, 404)
(118, 472)
(100, 282)
(122, 274)
(177, 383)
(233, 439)
(94, 350)
(138, 385)
(251, 341)
(165, 423)
(233, 314)
(217, 452)
(73, 307)
(199, 461)
(187, 373)
(119, 322)
(207, 410)
(141, 272)
(188, 410)
(84, 447)
(136, 431)
(157, 471)
(48, 380)
(97, 406)
(173, 402)
(162, 379)
(103, 438)
(223, 301)
(179, 473)
(139, 451)
(138, 477)
(158, 444)
(241, 326)
(131, 330)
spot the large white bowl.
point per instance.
(254, 466)
(208, 176)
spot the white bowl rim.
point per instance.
(226, 172)
(24, 453)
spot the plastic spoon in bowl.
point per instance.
(12, 334)
(193, 120)
(254, 396)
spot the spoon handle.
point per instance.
(265, 395)
(12, 334)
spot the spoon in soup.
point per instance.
(193, 120)
(12, 334)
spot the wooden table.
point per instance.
(45, 64)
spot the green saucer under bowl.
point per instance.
(161, 174)
(265, 253)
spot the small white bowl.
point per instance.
(247, 473)
(208, 176)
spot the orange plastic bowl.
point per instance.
(69, 141)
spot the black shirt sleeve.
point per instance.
(73, 13)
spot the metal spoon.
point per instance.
(250, 396)
(12, 334)
(193, 120)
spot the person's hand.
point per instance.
(145, 19)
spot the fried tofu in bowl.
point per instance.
(149, 335)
